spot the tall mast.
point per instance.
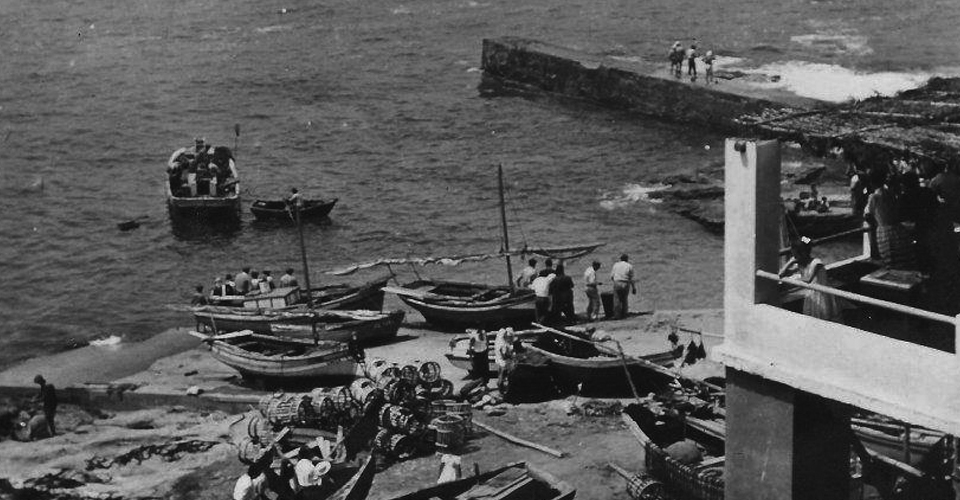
(306, 270)
(503, 223)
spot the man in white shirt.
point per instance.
(310, 470)
(252, 485)
(593, 291)
(541, 288)
(621, 274)
(528, 274)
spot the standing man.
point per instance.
(242, 280)
(593, 291)
(692, 62)
(479, 359)
(561, 291)
(541, 288)
(621, 274)
(47, 396)
(528, 274)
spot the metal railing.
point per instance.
(856, 297)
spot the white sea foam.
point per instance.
(112, 340)
(835, 43)
(275, 28)
(630, 194)
(833, 83)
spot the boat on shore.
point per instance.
(516, 481)
(279, 358)
(456, 305)
(357, 488)
(367, 327)
(279, 211)
(203, 185)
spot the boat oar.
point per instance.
(521, 442)
(131, 224)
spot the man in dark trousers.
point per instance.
(48, 396)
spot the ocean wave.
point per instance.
(829, 82)
(630, 194)
(835, 43)
(109, 341)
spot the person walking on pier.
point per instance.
(692, 62)
(48, 398)
(621, 274)
(593, 291)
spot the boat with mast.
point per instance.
(457, 304)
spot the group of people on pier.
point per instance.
(678, 55)
(553, 288)
(246, 282)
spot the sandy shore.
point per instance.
(172, 362)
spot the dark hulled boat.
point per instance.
(279, 211)
(516, 481)
(197, 194)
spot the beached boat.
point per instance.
(271, 357)
(456, 304)
(368, 327)
(516, 481)
(357, 488)
(279, 211)
(601, 368)
(203, 194)
(691, 470)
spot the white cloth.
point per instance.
(541, 285)
(590, 276)
(309, 474)
(250, 489)
(451, 468)
(621, 271)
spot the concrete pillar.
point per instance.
(752, 227)
(783, 443)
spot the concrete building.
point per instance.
(792, 379)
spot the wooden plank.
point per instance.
(521, 442)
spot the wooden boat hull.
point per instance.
(921, 442)
(371, 328)
(259, 356)
(531, 484)
(206, 209)
(465, 309)
(606, 374)
(276, 211)
(358, 487)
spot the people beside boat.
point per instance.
(252, 484)
(310, 471)
(624, 283)
(479, 359)
(817, 304)
(47, 397)
(288, 279)
(242, 281)
(503, 353)
(561, 298)
(894, 244)
(541, 291)
(676, 56)
(592, 286)
(199, 298)
(527, 274)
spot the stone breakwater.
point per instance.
(919, 126)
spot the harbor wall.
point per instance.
(532, 65)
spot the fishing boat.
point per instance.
(279, 210)
(280, 358)
(203, 184)
(366, 327)
(601, 368)
(516, 481)
(456, 305)
(356, 488)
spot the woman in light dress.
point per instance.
(815, 303)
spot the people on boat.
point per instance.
(708, 60)
(47, 397)
(450, 468)
(561, 298)
(295, 200)
(223, 286)
(199, 299)
(252, 484)
(254, 282)
(266, 282)
(624, 283)
(592, 286)
(541, 290)
(894, 243)
(288, 279)
(816, 303)
(242, 281)
(527, 274)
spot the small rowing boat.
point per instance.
(270, 357)
(279, 210)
